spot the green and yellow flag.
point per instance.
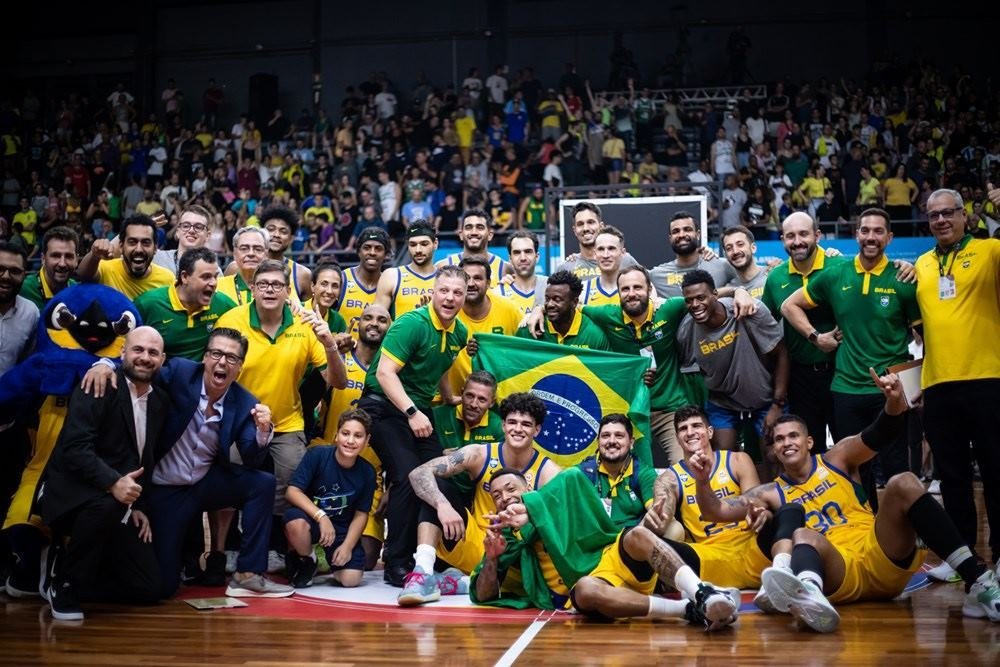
(579, 386)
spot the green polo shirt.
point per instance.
(453, 432)
(630, 491)
(874, 311)
(184, 334)
(36, 289)
(334, 319)
(425, 349)
(582, 333)
(658, 332)
(781, 282)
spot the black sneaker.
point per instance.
(395, 575)
(49, 556)
(215, 570)
(304, 572)
(63, 603)
(21, 585)
(291, 564)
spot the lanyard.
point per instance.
(953, 251)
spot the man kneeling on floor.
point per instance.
(540, 544)
(331, 494)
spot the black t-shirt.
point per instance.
(449, 219)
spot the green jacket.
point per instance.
(570, 520)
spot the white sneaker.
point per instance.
(803, 599)
(983, 599)
(275, 562)
(762, 602)
(934, 487)
(944, 572)
(257, 586)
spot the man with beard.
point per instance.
(249, 250)
(744, 361)
(476, 232)
(371, 328)
(281, 223)
(564, 322)
(402, 289)
(59, 261)
(482, 312)
(685, 240)
(93, 491)
(192, 232)
(18, 316)
(845, 553)
(472, 420)
(738, 247)
(587, 222)
(609, 250)
(406, 373)
(134, 273)
(361, 281)
(527, 287)
(873, 312)
(185, 313)
(453, 525)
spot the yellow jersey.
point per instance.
(354, 297)
(724, 485)
(960, 333)
(482, 501)
(235, 288)
(503, 318)
(497, 266)
(274, 367)
(112, 273)
(342, 400)
(835, 505)
(525, 301)
(411, 287)
(594, 294)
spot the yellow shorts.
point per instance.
(467, 553)
(870, 575)
(734, 563)
(613, 568)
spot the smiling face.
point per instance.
(326, 288)
(59, 262)
(586, 224)
(559, 303)
(614, 442)
(507, 490)
(947, 219)
(422, 250)
(684, 236)
(192, 231)
(791, 443)
(609, 251)
(739, 250)
(695, 435)
(12, 272)
(250, 250)
(700, 300)
(138, 247)
(475, 234)
(372, 254)
(352, 438)
(373, 324)
(142, 355)
(873, 236)
(799, 236)
(280, 236)
(477, 285)
(520, 430)
(476, 400)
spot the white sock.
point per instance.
(809, 575)
(425, 557)
(686, 581)
(958, 556)
(784, 561)
(665, 608)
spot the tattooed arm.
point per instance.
(423, 479)
(661, 513)
(732, 508)
(488, 580)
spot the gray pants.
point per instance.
(661, 424)
(287, 449)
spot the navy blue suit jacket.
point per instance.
(183, 378)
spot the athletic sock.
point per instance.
(807, 564)
(665, 607)
(686, 581)
(425, 557)
(784, 561)
(936, 529)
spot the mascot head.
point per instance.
(87, 317)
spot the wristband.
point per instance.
(318, 515)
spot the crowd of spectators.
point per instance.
(386, 157)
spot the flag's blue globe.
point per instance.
(574, 414)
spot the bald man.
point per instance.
(93, 493)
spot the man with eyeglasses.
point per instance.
(192, 472)
(958, 290)
(283, 346)
(873, 311)
(185, 312)
(249, 250)
(18, 316)
(191, 231)
(134, 272)
(281, 223)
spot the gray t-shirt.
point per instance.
(587, 268)
(732, 215)
(667, 277)
(755, 285)
(732, 357)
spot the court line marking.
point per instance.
(517, 648)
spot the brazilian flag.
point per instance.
(579, 386)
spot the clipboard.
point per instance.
(909, 375)
(201, 604)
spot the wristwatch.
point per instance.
(813, 336)
(410, 411)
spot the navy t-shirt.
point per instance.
(340, 492)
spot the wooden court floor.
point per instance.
(925, 629)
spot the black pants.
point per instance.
(105, 560)
(400, 452)
(852, 414)
(809, 397)
(955, 414)
(459, 499)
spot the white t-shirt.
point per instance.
(474, 86)
(553, 171)
(498, 88)
(386, 103)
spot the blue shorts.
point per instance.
(614, 164)
(357, 560)
(720, 417)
